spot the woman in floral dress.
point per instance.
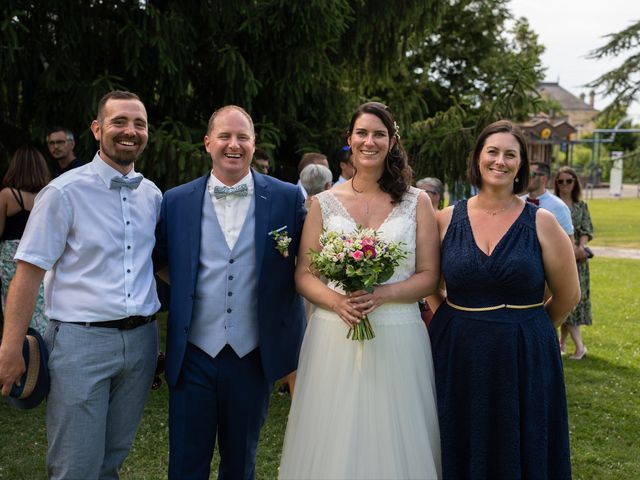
(567, 187)
(26, 176)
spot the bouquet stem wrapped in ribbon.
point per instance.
(356, 261)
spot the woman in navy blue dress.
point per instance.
(499, 378)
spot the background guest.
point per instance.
(540, 196)
(434, 187)
(261, 162)
(567, 187)
(315, 179)
(310, 158)
(345, 166)
(28, 173)
(61, 142)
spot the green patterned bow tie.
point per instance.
(240, 190)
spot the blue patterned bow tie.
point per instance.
(240, 190)
(132, 183)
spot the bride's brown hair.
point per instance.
(397, 174)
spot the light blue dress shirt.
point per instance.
(555, 205)
(95, 243)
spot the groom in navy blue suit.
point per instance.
(235, 319)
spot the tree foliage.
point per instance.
(478, 72)
(624, 81)
(615, 116)
(299, 68)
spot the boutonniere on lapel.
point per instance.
(282, 240)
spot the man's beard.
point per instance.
(125, 158)
(125, 162)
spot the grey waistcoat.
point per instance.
(225, 304)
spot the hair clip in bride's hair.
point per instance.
(396, 130)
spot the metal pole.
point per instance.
(593, 171)
(593, 156)
(570, 153)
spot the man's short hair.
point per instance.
(260, 154)
(342, 156)
(542, 167)
(114, 95)
(311, 158)
(68, 133)
(230, 107)
(314, 178)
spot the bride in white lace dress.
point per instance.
(367, 410)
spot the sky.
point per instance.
(570, 29)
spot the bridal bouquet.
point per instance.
(356, 261)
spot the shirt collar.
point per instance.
(248, 179)
(106, 172)
(544, 195)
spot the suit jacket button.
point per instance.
(186, 329)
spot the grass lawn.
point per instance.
(616, 223)
(603, 391)
(603, 397)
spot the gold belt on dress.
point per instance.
(495, 307)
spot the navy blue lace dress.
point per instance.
(499, 378)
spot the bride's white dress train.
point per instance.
(366, 410)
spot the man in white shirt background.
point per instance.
(92, 232)
(344, 165)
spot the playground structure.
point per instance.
(544, 133)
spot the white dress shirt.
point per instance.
(340, 180)
(232, 209)
(304, 190)
(96, 243)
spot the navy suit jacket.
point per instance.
(281, 317)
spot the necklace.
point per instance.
(493, 213)
(362, 197)
(366, 207)
(366, 204)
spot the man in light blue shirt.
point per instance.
(92, 232)
(539, 195)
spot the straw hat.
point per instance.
(34, 383)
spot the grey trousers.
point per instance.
(100, 381)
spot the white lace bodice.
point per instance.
(399, 226)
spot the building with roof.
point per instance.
(575, 110)
(543, 132)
